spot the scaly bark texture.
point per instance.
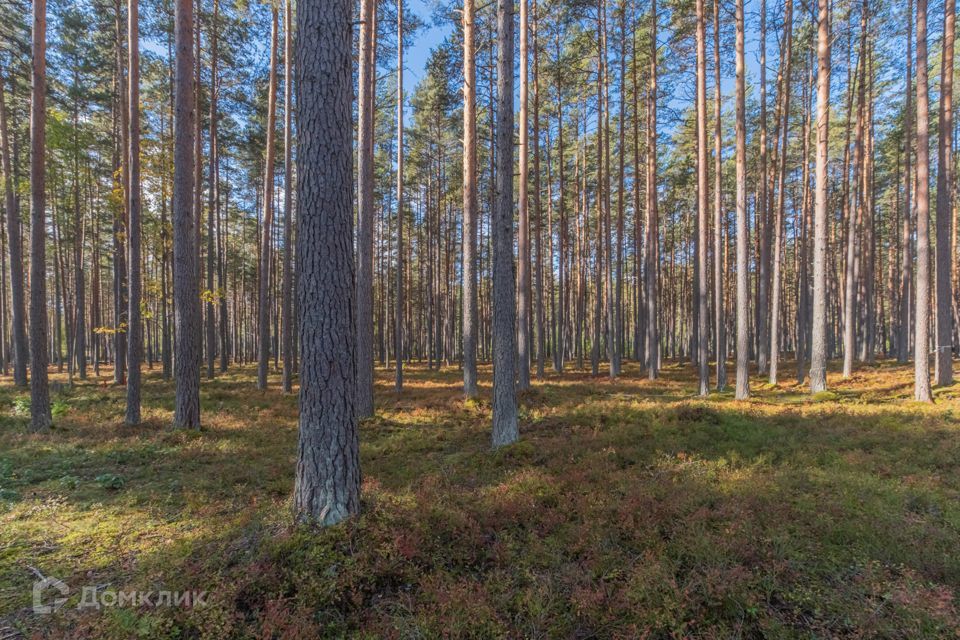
(818, 344)
(40, 417)
(505, 429)
(328, 467)
(186, 311)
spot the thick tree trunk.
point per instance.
(328, 467)
(818, 351)
(505, 428)
(186, 414)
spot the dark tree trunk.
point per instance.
(186, 413)
(505, 428)
(328, 467)
(134, 323)
(19, 330)
(40, 417)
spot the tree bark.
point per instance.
(19, 330)
(743, 302)
(186, 311)
(40, 417)
(653, 229)
(134, 321)
(944, 291)
(703, 194)
(818, 351)
(266, 239)
(778, 242)
(921, 360)
(719, 305)
(365, 202)
(505, 428)
(398, 309)
(328, 467)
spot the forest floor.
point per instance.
(628, 509)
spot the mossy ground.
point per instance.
(628, 509)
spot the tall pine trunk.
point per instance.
(40, 417)
(818, 346)
(921, 347)
(134, 321)
(743, 302)
(944, 355)
(505, 428)
(266, 238)
(186, 414)
(19, 330)
(327, 488)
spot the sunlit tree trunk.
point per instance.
(523, 233)
(778, 241)
(718, 214)
(365, 207)
(743, 302)
(818, 349)
(652, 249)
(398, 310)
(213, 197)
(944, 293)
(703, 195)
(266, 239)
(921, 347)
